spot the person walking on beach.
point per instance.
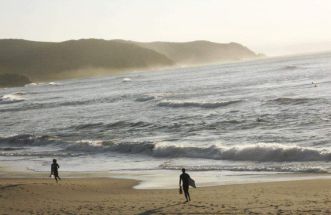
(184, 179)
(54, 170)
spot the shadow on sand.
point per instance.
(158, 210)
(10, 186)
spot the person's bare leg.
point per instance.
(186, 196)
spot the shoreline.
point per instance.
(117, 196)
(168, 179)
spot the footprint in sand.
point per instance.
(280, 211)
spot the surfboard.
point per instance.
(191, 182)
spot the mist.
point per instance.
(272, 27)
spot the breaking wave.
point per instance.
(262, 152)
(253, 152)
(179, 104)
(12, 98)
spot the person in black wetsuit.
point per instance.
(54, 170)
(184, 179)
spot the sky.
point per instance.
(273, 27)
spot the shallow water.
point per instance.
(267, 116)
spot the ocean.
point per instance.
(268, 119)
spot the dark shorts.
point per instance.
(56, 174)
(185, 188)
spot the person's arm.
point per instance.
(180, 180)
(51, 171)
(58, 166)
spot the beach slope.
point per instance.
(116, 196)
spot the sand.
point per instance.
(116, 196)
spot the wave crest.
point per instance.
(179, 104)
(254, 152)
(262, 152)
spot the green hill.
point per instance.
(13, 80)
(45, 61)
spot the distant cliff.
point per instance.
(13, 80)
(44, 61)
(200, 52)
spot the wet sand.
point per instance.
(116, 196)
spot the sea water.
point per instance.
(268, 119)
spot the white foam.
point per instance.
(53, 83)
(165, 179)
(31, 84)
(42, 84)
(95, 143)
(247, 152)
(11, 98)
(126, 79)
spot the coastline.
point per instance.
(158, 179)
(116, 196)
(168, 179)
(127, 71)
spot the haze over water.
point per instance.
(258, 117)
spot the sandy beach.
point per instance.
(116, 196)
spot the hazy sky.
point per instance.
(270, 26)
